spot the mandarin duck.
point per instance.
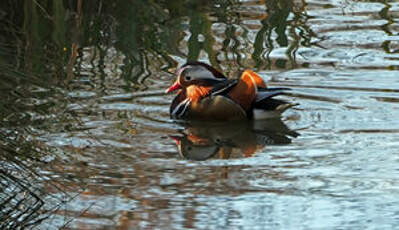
(206, 94)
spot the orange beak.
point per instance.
(173, 87)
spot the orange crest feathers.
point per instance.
(254, 77)
(245, 91)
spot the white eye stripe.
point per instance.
(180, 71)
(193, 72)
(202, 73)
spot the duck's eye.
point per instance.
(187, 78)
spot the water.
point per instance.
(329, 163)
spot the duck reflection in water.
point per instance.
(203, 140)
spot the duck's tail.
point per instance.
(265, 106)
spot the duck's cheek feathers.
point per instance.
(195, 93)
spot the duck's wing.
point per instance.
(267, 93)
(243, 91)
(223, 87)
(265, 101)
(265, 106)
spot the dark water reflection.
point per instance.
(201, 141)
(86, 79)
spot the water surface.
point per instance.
(328, 163)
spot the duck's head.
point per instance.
(196, 73)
